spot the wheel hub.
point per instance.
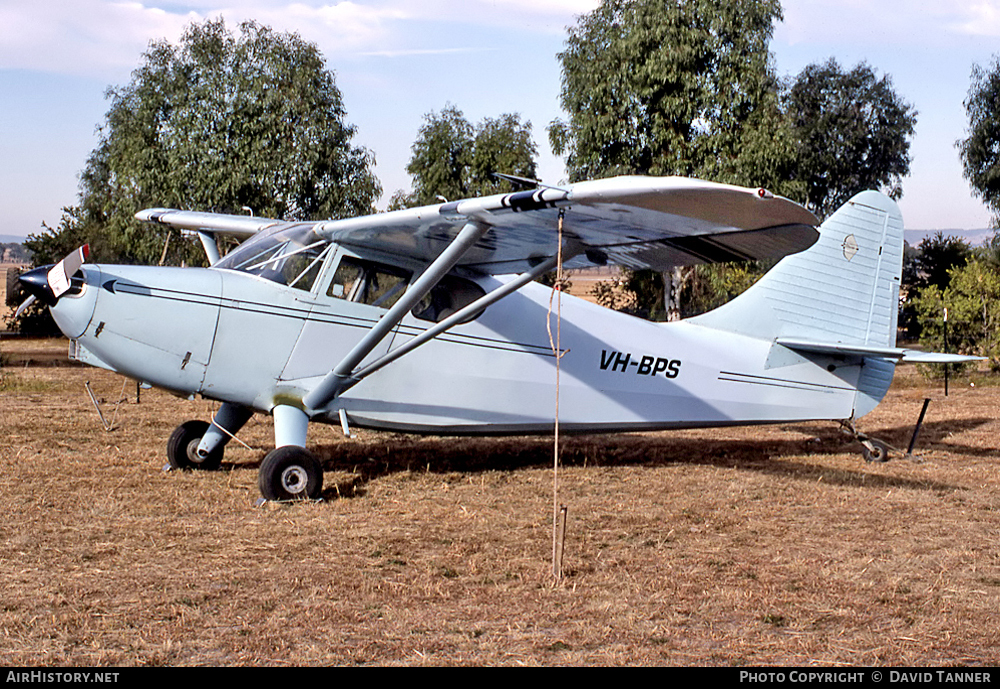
(294, 480)
(192, 451)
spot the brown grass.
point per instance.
(774, 545)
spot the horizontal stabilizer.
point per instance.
(898, 353)
(913, 356)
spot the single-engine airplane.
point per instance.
(428, 319)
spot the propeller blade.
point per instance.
(24, 305)
(59, 276)
(50, 283)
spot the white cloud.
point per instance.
(92, 37)
(887, 22)
(343, 27)
(103, 38)
(983, 19)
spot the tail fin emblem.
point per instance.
(850, 246)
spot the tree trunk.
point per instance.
(673, 286)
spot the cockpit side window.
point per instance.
(367, 282)
(370, 283)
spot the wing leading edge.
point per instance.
(638, 222)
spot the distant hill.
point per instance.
(973, 237)
(10, 239)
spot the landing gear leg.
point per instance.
(199, 445)
(290, 471)
(227, 422)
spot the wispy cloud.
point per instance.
(104, 38)
(983, 19)
(425, 51)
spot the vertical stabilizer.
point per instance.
(844, 289)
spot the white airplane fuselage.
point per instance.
(243, 339)
(377, 323)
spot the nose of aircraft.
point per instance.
(62, 288)
(36, 283)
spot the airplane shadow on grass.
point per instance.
(390, 453)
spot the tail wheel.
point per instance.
(875, 451)
(290, 473)
(182, 448)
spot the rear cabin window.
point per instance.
(448, 296)
(368, 283)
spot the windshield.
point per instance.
(289, 255)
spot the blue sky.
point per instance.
(397, 60)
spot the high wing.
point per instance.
(207, 225)
(637, 222)
(236, 225)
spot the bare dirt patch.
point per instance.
(772, 545)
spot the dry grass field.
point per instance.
(773, 545)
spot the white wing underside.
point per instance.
(637, 222)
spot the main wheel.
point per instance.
(290, 473)
(182, 448)
(877, 451)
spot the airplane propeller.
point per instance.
(48, 283)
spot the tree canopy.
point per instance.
(687, 87)
(972, 297)
(930, 264)
(980, 150)
(852, 130)
(219, 123)
(453, 159)
(674, 87)
(934, 259)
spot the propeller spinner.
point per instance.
(49, 283)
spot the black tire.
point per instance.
(877, 453)
(182, 448)
(290, 473)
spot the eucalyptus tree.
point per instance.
(221, 122)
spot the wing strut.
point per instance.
(453, 320)
(339, 379)
(211, 247)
